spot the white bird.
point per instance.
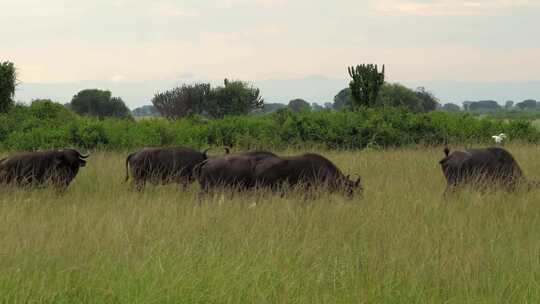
(499, 138)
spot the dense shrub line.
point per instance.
(48, 125)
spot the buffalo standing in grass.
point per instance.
(55, 167)
(481, 167)
(235, 170)
(163, 165)
(311, 171)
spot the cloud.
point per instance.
(261, 31)
(247, 36)
(256, 3)
(117, 78)
(450, 7)
(35, 9)
(170, 10)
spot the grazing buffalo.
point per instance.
(234, 170)
(163, 165)
(481, 167)
(311, 171)
(55, 167)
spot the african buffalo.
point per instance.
(163, 165)
(234, 170)
(311, 171)
(481, 167)
(55, 167)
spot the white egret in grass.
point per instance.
(499, 138)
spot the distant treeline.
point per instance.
(492, 105)
(369, 113)
(45, 124)
(367, 89)
(197, 99)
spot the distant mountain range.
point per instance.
(319, 89)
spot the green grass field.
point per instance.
(400, 243)
(536, 123)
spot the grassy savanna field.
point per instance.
(400, 243)
(536, 123)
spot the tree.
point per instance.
(98, 103)
(46, 109)
(429, 101)
(234, 98)
(527, 104)
(8, 79)
(183, 101)
(315, 107)
(466, 105)
(116, 108)
(343, 99)
(483, 105)
(450, 107)
(397, 95)
(366, 83)
(328, 105)
(299, 105)
(271, 107)
(509, 104)
(147, 110)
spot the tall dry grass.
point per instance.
(400, 243)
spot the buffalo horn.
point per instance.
(205, 151)
(81, 155)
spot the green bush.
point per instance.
(88, 134)
(47, 125)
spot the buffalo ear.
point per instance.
(446, 151)
(357, 183)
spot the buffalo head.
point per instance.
(70, 158)
(351, 187)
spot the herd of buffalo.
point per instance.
(253, 169)
(241, 171)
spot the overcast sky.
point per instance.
(134, 42)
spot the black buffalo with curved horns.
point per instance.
(235, 170)
(310, 170)
(485, 167)
(164, 165)
(55, 167)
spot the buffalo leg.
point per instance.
(185, 185)
(449, 191)
(139, 185)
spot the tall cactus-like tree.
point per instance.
(365, 84)
(8, 79)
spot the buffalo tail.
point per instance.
(127, 167)
(196, 172)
